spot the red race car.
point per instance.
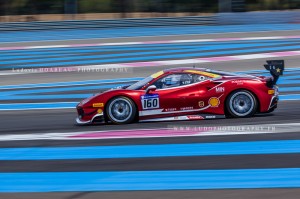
(185, 94)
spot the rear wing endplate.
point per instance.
(276, 68)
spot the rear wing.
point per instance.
(276, 68)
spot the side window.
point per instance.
(199, 78)
(168, 81)
(175, 80)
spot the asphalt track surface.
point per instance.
(62, 120)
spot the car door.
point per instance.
(169, 99)
(195, 96)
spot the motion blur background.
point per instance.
(133, 8)
(51, 56)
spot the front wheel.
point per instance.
(241, 103)
(121, 110)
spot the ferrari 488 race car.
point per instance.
(185, 94)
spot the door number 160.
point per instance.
(150, 103)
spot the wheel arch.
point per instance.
(126, 96)
(240, 89)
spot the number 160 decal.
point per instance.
(150, 101)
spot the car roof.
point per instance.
(176, 70)
(200, 70)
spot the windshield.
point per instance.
(138, 85)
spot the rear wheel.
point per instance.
(241, 103)
(121, 110)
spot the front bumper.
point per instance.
(79, 121)
(95, 118)
(88, 116)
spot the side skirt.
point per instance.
(186, 117)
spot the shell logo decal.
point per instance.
(214, 102)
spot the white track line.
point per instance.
(262, 129)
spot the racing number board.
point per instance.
(150, 101)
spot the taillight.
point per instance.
(271, 91)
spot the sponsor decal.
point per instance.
(98, 105)
(220, 89)
(186, 108)
(201, 104)
(150, 101)
(210, 117)
(99, 111)
(195, 117)
(170, 109)
(214, 102)
(238, 82)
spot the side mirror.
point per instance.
(150, 88)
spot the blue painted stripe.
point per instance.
(68, 52)
(192, 50)
(161, 150)
(141, 58)
(295, 76)
(290, 97)
(75, 83)
(287, 81)
(46, 97)
(137, 56)
(58, 51)
(61, 89)
(140, 46)
(289, 89)
(150, 180)
(188, 45)
(138, 31)
(30, 106)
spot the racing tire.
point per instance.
(241, 103)
(121, 110)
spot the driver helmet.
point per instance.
(172, 81)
